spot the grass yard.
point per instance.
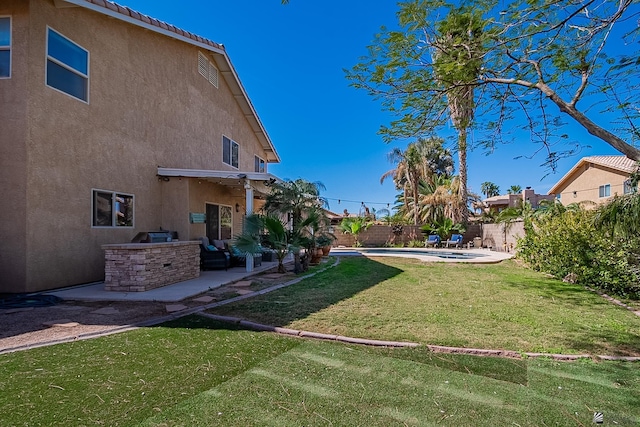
(196, 372)
(498, 306)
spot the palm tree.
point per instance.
(301, 201)
(421, 161)
(514, 189)
(457, 63)
(276, 237)
(489, 189)
(621, 215)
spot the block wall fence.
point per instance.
(493, 235)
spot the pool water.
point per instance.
(439, 254)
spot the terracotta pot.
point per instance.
(325, 250)
(316, 257)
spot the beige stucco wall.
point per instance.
(586, 181)
(13, 153)
(148, 107)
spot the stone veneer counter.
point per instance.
(137, 267)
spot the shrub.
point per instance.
(570, 244)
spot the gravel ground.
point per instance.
(27, 327)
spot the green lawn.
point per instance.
(498, 306)
(196, 372)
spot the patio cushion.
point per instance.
(211, 248)
(218, 244)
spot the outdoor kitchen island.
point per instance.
(138, 267)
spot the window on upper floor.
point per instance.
(5, 47)
(604, 190)
(230, 152)
(207, 69)
(259, 167)
(111, 209)
(67, 66)
(628, 188)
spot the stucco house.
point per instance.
(501, 202)
(115, 123)
(595, 179)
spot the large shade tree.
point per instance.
(542, 61)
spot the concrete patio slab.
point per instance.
(208, 280)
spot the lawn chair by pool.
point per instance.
(432, 240)
(455, 241)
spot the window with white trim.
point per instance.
(5, 47)
(67, 66)
(111, 209)
(207, 69)
(259, 165)
(604, 190)
(230, 152)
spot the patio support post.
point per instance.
(249, 203)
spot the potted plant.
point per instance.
(325, 242)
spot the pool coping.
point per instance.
(487, 256)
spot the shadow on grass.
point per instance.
(298, 301)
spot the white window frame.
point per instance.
(8, 47)
(114, 196)
(65, 66)
(232, 145)
(604, 191)
(627, 188)
(262, 165)
(207, 69)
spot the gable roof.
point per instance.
(222, 60)
(618, 163)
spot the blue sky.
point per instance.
(290, 59)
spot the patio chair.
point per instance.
(432, 240)
(455, 241)
(212, 257)
(239, 259)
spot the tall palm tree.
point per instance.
(421, 161)
(514, 189)
(457, 62)
(489, 189)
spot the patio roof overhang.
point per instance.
(258, 181)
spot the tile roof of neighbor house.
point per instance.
(126, 14)
(620, 163)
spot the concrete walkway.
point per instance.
(171, 293)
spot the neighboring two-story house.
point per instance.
(112, 123)
(595, 179)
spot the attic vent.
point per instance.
(207, 69)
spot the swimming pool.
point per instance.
(439, 254)
(435, 255)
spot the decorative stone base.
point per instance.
(138, 267)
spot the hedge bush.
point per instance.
(569, 246)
